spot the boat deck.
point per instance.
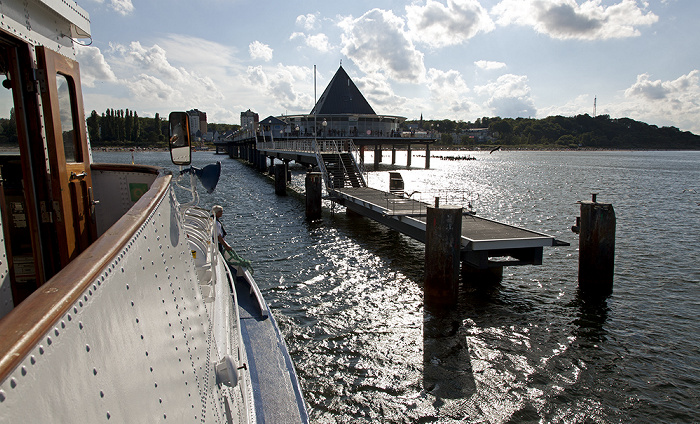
(275, 386)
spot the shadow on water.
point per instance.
(592, 315)
(402, 252)
(447, 371)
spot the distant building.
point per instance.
(198, 121)
(342, 111)
(212, 136)
(479, 135)
(249, 121)
(272, 127)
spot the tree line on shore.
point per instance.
(124, 128)
(566, 132)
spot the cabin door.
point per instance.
(68, 153)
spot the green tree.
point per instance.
(128, 125)
(156, 123)
(136, 130)
(93, 127)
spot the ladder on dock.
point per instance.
(339, 168)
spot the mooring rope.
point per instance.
(234, 259)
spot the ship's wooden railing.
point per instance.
(24, 327)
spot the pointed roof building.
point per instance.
(342, 96)
(342, 112)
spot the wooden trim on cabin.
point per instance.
(125, 167)
(23, 328)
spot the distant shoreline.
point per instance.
(433, 148)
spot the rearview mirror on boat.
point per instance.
(180, 143)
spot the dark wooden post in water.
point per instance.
(408, 156)
(443, 234)
(313, 195)
(596, 261)
(427, 156)
(377, 156)
(393, 155)
(280, 179)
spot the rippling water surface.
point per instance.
(347, 293)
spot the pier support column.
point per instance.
(408, 156)
(377, 156)
(313, 195)
(443, 234)
(596, 261)
(427, 156)
(262, 163)
(393, 155)
(280, 180)
(257, 159)
(480, 278)
(271, 169)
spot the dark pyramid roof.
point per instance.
(342, 96)
(271, 120)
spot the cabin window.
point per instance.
(70, 139)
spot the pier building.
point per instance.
(342, 113)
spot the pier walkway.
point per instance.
(485, 243)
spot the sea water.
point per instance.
(347, 292)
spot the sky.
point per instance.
(444, 59)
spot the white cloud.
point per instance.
(123, 7)
(489, 65)
(259, 50)
(152, 81)
(510, 96)
(448, 92)
(662, 90)
(93, 66)
(438, 25)
(151, 58)
(281, 86)
(198, 52)
(308, 21)
(148, 86)
(378, 42)
(566, 19)
(256, 76)
(318, 42)
(676, 102)
(380, 95)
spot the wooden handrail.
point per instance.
(26, 324)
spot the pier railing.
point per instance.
(416, 203)
(301, 145)
(355, 153)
